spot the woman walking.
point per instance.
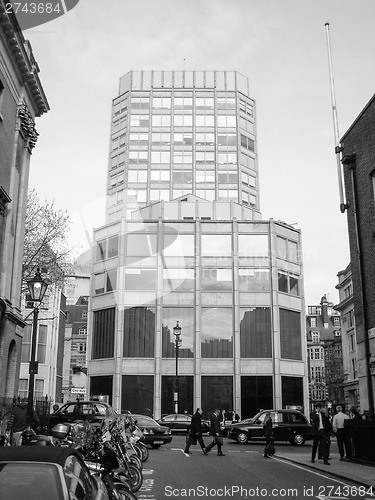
(268, 434)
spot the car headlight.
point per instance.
(168, 432)
(148, 431)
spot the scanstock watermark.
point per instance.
(30, 14)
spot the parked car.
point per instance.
(181, 422)
(288, 425)
(92, 411)
(154, 434)
(39, 472)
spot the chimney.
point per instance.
(324, 306)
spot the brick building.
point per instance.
(21, 100)
(358, 159)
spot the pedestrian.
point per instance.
(355, 415)
(338, 425)
(321, 430)
(18, 421)
(215, 432)
(195, 433)
(268, 434)
(235, 417)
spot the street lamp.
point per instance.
(177, 334)
(37, 288)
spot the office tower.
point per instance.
(184, 242)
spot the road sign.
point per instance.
(78, 390)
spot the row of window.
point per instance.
(212, 245)
(215, 332)
(184, 280)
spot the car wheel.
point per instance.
(242, 438)
(155, 446)
(298, 439)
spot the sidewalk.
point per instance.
(347, 470)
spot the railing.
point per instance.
(361, 439)
(42, 407)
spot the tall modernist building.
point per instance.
(184, 241)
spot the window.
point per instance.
(186, 318)
(288, 283)
(253, 245)
(183, 120)
(204, 121)
(216, 245)
(181, 246)
(105, 282)
(350, 318)
(39, 388)
(139, 332)
(227, 121)
(160, 157)
(256, 332)
(216, 279)
(315, 337)
(178, 280)
(312, 322)
(247, 142)
(82, 347)
(103, 333)
(23, 387)
(290, 334)
(42, 344)
(253, 280)
(84, 314)
(82, 331)
(248, 179)
(246, 107)
(287, 250)
(161, 103)
(140, 279)
(203, 157)
(336, 321)
(203, 176)
(216, 332)
(137, 120)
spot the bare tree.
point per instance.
(45, 244)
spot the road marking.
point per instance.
(147, 471)
(307, 469)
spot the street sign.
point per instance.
(78, 390)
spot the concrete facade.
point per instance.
(184, 241)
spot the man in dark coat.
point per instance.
(216, 433)
(267, 433)
(18, 421)
(321, 431)
(195, 433)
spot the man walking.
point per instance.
(215, 432)
(18, 421)
(195, 433)
(321, 430)
(338, 428)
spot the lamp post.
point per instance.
(177, 334)
(37, 288)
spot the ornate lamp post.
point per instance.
(37, 288)
(178, 341)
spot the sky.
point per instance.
(280, 45)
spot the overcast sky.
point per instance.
(280, 45)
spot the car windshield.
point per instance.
(36, 481)
(144, 421)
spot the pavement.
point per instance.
(359, 473)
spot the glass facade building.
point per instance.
(184, 241)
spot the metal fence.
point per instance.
(42, 407)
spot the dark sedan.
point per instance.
(154, 434)
(92, 411)
(181, 422)
(288, 425)
(36, 472)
